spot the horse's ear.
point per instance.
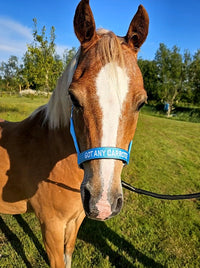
(84, 24)
(138, 29)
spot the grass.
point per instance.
(148, 232)
(15, 108)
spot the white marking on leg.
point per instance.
(67, 260)
(112, 87)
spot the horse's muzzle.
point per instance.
(100, 208)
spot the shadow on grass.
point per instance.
(97, 233)
(32, 236)
(16, 243)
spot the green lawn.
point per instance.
(15, 108)
(148, 232)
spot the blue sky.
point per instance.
(171, 22)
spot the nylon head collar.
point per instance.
(98, 152)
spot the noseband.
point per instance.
(98, 152)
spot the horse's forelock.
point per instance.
(108, 47)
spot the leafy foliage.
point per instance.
(11, 73)
(41, 64)
(171, 77)
(195, 77)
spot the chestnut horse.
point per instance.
(38, 158)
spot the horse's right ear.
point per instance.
(84, 24)
(138, 29)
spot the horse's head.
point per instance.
(107, 92)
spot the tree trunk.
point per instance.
(171, 102)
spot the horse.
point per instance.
(99, 95)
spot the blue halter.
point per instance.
(98, 152)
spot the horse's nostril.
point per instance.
(89, 203)
(86, 199)
(119, 203)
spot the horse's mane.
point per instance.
(59, 106)
(57, 110)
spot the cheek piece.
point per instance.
(98, 152)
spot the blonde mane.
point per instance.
(59, 106)
(57, 110)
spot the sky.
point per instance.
(172, 22)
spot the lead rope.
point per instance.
(159, 196)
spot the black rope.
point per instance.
(159, 196)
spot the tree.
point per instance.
(68, 55)
(170, 74)
(150, 77)
(186, 95)
(9, 71)
(41, 64)
(195, 77)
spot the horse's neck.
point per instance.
(33, 154)
(34, 137)
(58, 140)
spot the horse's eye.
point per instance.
(74, 100)
(141, 105)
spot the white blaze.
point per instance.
(112, 85)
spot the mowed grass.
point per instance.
(16, 108)
(148, 232)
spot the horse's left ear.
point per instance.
(138, 29)
(84, 24)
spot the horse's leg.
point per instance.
(53, 237)
(71, 231)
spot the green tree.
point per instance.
(195, 77)
(186, 95)
(170, 74)
(41, 64)
(150, 77)
(68, 55)
(9, 71)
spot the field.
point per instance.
(148, 232)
